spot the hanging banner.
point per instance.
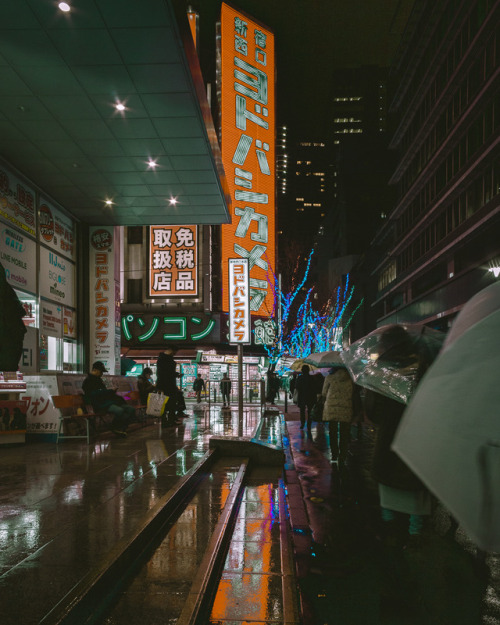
(247, 70)
(104, 298)
(18, 257)
(50, 319)
(17, 202)
(69, 323)
(239, 301)
(56, 230)
(173, 261)
(57, 277)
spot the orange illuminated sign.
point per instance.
(173, 261)
(248, 151)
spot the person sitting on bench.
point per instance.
(103, 399)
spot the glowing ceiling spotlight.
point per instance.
(108, 202)
(64, 6)
(119, 106)
(173, 201)
(152, 164)
(495, 271)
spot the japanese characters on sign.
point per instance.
(103, 298)
(248, 151)
(17, 202)
(57, 277)
(173, 262)
(264, 332)
(18, 256)
(239, 301)
(56, 230)
(156, 329)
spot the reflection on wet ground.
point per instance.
(63, 506)
(346, 575)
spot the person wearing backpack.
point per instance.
(198, 386)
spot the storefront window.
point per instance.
(50, 353)
(70, 356)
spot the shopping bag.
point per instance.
(156, 404)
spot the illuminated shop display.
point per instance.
(173, 261)
(156, 329)
(247, 70)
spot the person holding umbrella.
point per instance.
(306, 396)
(338, 410)
(400, 490)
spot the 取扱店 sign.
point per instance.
(247, 99)
(173, 261)
(239, 301)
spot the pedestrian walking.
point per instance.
(273, 387)
(225, 389)
(198, 387)
(404, 500)
(306, 396)
(103, 399)
(166, 382)
(338, 410)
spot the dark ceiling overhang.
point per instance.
(61, 75)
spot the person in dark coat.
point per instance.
(198, 387)
(103, 399)
(12, 328)
(166, 382)
(273, 387)
(225, 389)
(306, 396)
(145, 385)
(400, 490)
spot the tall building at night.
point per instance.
(309, 188)
(362, 163)
(440, 245)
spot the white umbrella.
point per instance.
(450, 432)
(390, 359)
(322, 360)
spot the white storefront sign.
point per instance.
(239, 301)
(50, 319)
(17, 202)
(104, 298)
(57, 277)
(56, 230)
(42, 417)
(18, 257)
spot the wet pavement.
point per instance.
(63, 507)
(347, 576)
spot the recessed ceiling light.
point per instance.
(173, 201)
(64, 6)
(120, 106)
(108, 202)
(152, 164)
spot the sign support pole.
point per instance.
(240, 390)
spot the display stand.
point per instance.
(13, 408)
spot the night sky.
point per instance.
(314, 37)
